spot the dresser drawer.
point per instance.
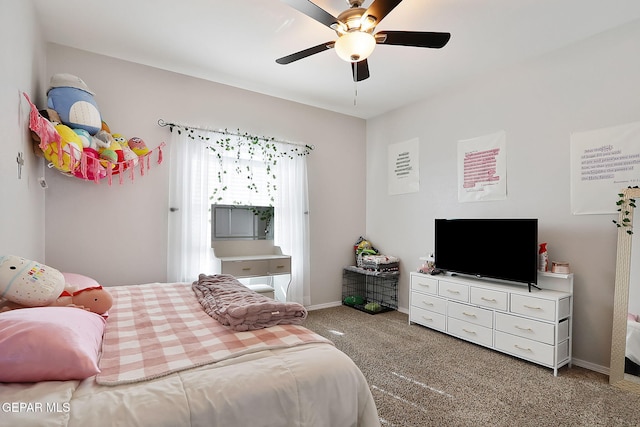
(489, 298)
(469, 331)
(424, 284)
(534, 307)
(428, 318)
(526, 328)
(246, 268)
(451, 290)
(525, 348)
(280, 266)
(471, 314)
(428, 302)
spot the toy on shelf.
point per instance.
(75, 139)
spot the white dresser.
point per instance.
(535, 325)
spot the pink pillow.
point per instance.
(633, 317)
(49, 344)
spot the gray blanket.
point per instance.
(231, 303)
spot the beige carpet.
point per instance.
(420, 377)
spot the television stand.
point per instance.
(535, 286)
(503, 317)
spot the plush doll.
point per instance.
(96, 299)
(46, 126)
(86, 138)
(70, 97)
(127, 152)
(51, 115)
(138, 146)
(103, 139)
(71, 145)
(28, 282)
(92, 168)
(108, 156)
(117, 148)
(25, 283)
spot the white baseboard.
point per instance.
(338, 303)
(590, 366)
(326, 305)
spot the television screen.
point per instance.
(504, 249)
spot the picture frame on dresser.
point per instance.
(534, 326)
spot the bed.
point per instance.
(164, 361)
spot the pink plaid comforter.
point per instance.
(157, 329)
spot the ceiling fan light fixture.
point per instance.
(355, 46)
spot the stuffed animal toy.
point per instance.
(138, 146)
(51, 115)
(108, 155)
(96, 299)
(25, 283)
(103, 139)
(127, 152)
(70, 97)
(71, 145)
(93, 169)
(29, 283)
(116, 147)
(86, 138)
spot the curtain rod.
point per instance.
(162, 123)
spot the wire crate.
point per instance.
(370, 291)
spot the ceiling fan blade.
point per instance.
(413, 38)
(313, 11)
(360, 70)
(305, 53)
(381, 8)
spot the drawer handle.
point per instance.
(451, 291)
(430, 304)
(523, 329)
(428, 319)
(469, 314)
(246, 268)
(488, 299)
(469, 332)
(523, 349)
(424, 285)
(279, 266)
(532, 307)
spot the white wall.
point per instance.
(118, 234)
(21, 69)
(590, 85)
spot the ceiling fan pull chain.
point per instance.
(355, 94)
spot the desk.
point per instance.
(261, 271)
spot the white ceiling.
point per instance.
(236, 42)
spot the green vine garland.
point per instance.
(624, 207)
(262, 148)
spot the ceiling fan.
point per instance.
(356, 39)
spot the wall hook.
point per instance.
(20, 161)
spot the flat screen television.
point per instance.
(505, 249)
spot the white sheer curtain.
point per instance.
(193, 178)
(189, 242)
(291, 226)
